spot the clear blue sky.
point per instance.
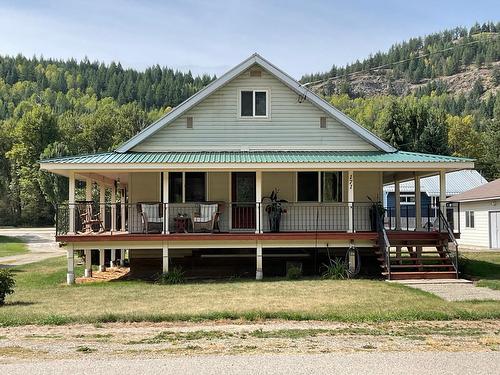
(212, 36)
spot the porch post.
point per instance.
(71, 202)
(442, 192)
(258, 200)
(122, 257)
(397, 203)
(70, 276)
(165, 257)
(112, 262)
(88, 189)
(165, 202)
(350, 199)
(122, 208)
(102, 265)
(418, 204)
(113, 208)
(88, 263)
(102, 203)
(259, 273)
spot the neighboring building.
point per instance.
(194, 187)
(480, 216)
(456, 183)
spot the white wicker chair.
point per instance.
(207, 218)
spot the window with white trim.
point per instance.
(192, 190)
(407, 199)
(253, 103)
(308, 189)
(469, 219)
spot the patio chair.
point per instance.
(89, 219)
(207, 219)
(151, 219)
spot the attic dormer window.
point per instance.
(253, 103)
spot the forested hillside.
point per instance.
(51, 107)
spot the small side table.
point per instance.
(182, 224)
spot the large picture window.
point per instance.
(253, 103)
(307, 186)
(332, 186)
(195, 187)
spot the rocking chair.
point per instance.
(89, 219)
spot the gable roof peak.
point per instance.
(286, 79)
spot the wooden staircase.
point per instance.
(417, 255)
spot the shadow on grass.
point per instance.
(479, 269)
(19, 303)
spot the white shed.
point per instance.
(480, 216)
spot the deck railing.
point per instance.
(93, 217)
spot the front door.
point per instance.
(243, 197)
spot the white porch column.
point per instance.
(122, 257)
(113, 208)
(165, 257)
(442, 192)
(88, 263)
(88, 189)
(102, 203)
(259, 273)
(350, 199)
(70, 276)
(397, 203)
(112, 262)
(258, 200)
(418, 204)
(165, 202)
(122, 208)
(71, 202)
(102, 265)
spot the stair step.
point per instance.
(422, 266)
(402, 259)
(422, 275)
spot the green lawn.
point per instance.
(12, 246)
(482, 266)
(41, 297)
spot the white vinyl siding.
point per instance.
(479, 236)
(290, 124)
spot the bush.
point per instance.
(175, 276)
(336, 270)
(7, 283)
(293, 273)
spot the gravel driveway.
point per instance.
(40, 241)
(435, 363)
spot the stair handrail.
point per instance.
(451, 238)
(384, 244)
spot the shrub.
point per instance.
(336, 270)
(175, 276)
(293, 273)
(7, 283)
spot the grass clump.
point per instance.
(336, 270)
(175, 276)
(85, 349)
(294, 273)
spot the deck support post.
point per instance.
(397, 203)
(71, 201)
(113, 208)
(442, 192)
(102, 265)
(259, 272)
(70, 276)
(258, 200)
(350, 200)
(122, 257)
(418, 204)
(165, 202)
(122, 209)
(165, 256)
(88, 263)
(112, 262)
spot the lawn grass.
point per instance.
(41, 297)
(482, 266)
(12, 246)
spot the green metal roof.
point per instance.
(256, 157)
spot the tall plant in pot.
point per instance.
(274, 210)
(377, 212)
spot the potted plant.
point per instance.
(377, 212)
(274, 211)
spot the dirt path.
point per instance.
(40, 241)
(158, 340)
